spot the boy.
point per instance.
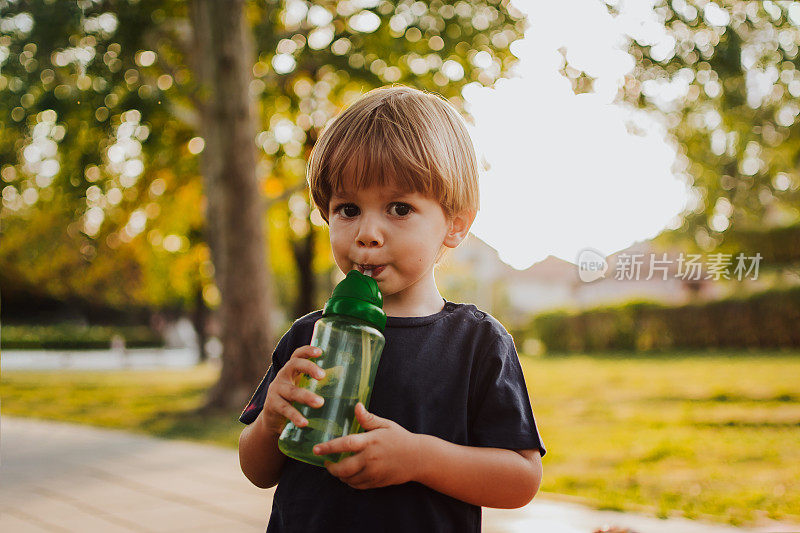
(450, 426)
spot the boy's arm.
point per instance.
(388, 454)
(489, 477)
(259, 456)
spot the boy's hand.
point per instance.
(283, 390)
(385, 454)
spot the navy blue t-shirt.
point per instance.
(454, 375)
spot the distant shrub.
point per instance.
(73, 337)
(769, 319)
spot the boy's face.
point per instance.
(398, 234)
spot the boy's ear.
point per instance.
(459, 227)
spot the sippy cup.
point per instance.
(350, 335)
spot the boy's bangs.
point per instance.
(380, 160)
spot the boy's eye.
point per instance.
(398, 209)
(401, 209)
(347, 210)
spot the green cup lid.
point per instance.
(357, 296)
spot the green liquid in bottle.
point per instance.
(300, 441)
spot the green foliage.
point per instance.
(102, 197)
(100, 201)
(777, 246)
(764, 320)
(738, 145)
(74, 337)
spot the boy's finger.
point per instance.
(346, 468)
(307, 351)
(360, 480)
(370, 421)
(348, 443)
(285, 408)
(310, 368)
(290, 393)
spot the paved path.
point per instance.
(58, 477)
(140, 358)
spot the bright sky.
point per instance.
(565, 172)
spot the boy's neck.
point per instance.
(421, 299)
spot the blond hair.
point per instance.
(397, 135)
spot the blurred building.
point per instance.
(473, 272)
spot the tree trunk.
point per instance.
(200, 322)
(303, 248)
(211, 160)
(235, 206)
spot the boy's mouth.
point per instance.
(373, 270)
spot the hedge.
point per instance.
(769, 320)
(73, 337)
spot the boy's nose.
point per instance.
(369, 235)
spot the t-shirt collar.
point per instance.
(415, 321)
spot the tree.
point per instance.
(312, 59)
(735, 123)
(225, 51)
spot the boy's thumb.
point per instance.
(367, 419)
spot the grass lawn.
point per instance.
(154, 402)
(706, 436)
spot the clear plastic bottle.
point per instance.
(351, 339)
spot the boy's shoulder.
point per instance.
(299, 333)
(470, 313)
(310, 318)
(475, 335)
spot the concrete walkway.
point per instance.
(138, 358)
(58, 477)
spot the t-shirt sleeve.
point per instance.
(256, 403)
(503, 417)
